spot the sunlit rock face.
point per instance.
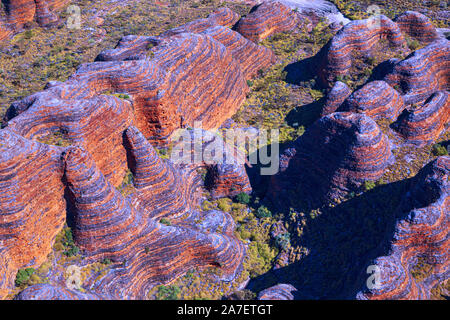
(423, 72)
(376, 99)
(334, 156)
(425, 123)
(421, 233)
(357, 37)
(106, 116)
(128, 232)
(31, 203)
(266, 19)
(278, 292)
(18, 13)
(417, 25)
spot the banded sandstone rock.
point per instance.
(376, 99)
(417, 25)
(249, 55)
(425, 124)
(358, 37)
(82, 122)
(18, 13)
(189, 79)
(107, 225)
(221, 17)
(422, 233)
(333, 157)
(50, 292)
(278, 292)
(337, 95)
(423, 72)
(266, 19)
(223, 162)
(32, 206)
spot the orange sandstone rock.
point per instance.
(266, 19)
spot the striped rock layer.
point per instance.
(423, 72)
(334, 99)
(360, 37)
(426, 123)
(32, 206)
(224, 163)
(266, 19)
(376, 99)
(50, 292)
(145, 252)
(279, 292)
(423, 233)
(83, 123)
(417, 25)
(186, 77)
(17, 13)
(335, 155)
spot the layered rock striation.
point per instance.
(417, 25)
(266, 19)
(279, 292)
(359, 37)
(18, 13)
(421, 233)
(422, 73)
(425, 123)
(376, 99)
(109, 226)
(335, 97)
(32, 206)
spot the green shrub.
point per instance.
(243, 198)
(165, 221)
(369, 185)
(168, 292)
(224, 204)
(263, 212)
(413, 44)
(439, 150)
(283, 241)
(23, 275)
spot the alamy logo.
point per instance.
(373, 281)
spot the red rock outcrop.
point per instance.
(358, 37)
(189, 79)
(267, 19)
(147, 253)
(224, 164)
(335, 155)
(50, 292)
(82, 122)
(17, 13)
(423, 233)
(423, 72)
(425, 124)
(376, 99)
(221, 17)
(249, 55)
(334, 99)
(32, 206)
(417, 25)
(279, 292)
(185, 78)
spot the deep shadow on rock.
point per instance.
(342, 242)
